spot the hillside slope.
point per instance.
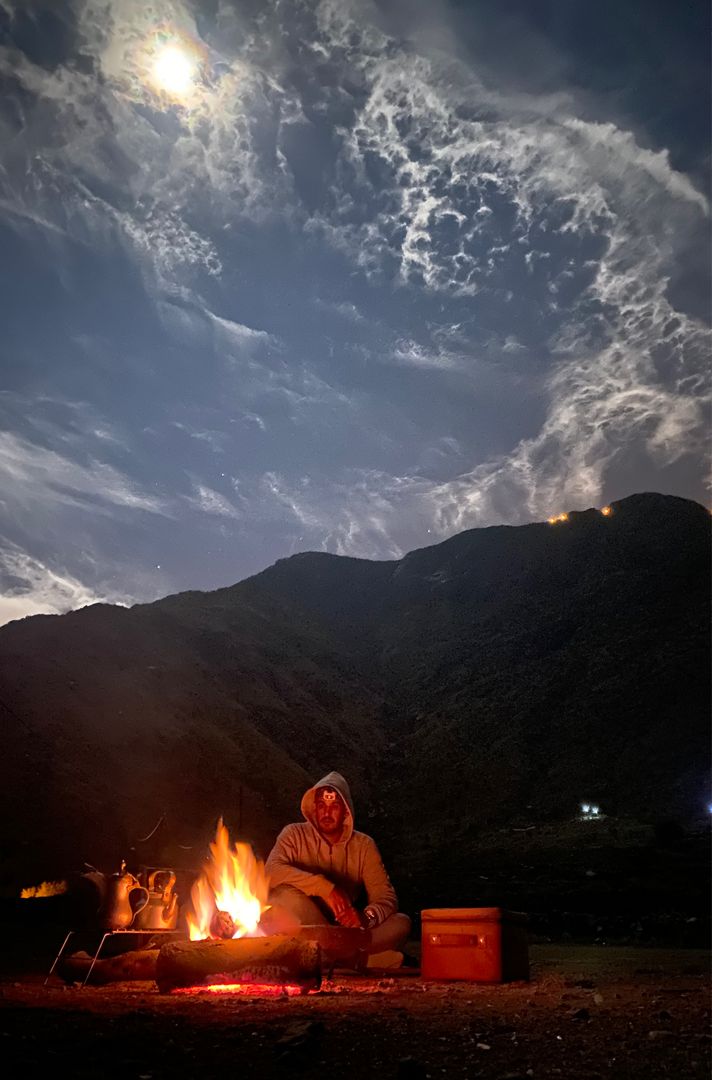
(502, 672)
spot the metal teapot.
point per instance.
(124, 897)
(161, 911)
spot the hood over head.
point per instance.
(338, 783)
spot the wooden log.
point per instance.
(140, 964)
(338, 944)
(275, 960)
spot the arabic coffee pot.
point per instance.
(161, 911)
(125, 896)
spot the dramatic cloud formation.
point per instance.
(358, 284)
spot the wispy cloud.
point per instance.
(352, 517)
(414, 354)
(343, 308)
(359, 292)
(475, 188)
(209, 501)
(30, 587)
(33, 474)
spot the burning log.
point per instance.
(274, 960)
(222, 925)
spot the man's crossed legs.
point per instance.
(292, 909)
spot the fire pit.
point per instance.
(285, 964)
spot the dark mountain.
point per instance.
(506, 672)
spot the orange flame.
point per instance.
(606, 511)
(558, 518)
(47, 888)
(231, 880)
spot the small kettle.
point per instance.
(161, 911)
(125, 896)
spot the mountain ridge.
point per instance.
(506, 667)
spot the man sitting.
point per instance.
(322, 871)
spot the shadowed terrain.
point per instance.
(486, 683)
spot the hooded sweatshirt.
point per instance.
(303, 858)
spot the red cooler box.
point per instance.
(487, 945)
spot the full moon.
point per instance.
(174, 71)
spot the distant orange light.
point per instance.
(558, 518)
(606, 511)
(47, 888)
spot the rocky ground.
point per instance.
(587, 1013)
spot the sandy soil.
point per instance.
(588, 1012)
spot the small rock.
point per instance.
(298, 1040)
(598, 998)
(581, 1014)
(483, 1046)
(655, 1035)
(300, 1033)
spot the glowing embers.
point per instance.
(231, 893)
(606, 511)
(271, 990)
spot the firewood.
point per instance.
(339, 944)
(222, 925)
(140, 964)
(277, 959)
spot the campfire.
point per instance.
(228, 952)
(230, 895)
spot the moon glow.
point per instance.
(174, 71)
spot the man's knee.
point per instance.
(399, 925)
(392, 932)
(289, 904)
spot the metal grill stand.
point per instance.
(106, 934)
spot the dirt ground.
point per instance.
(588, 1012)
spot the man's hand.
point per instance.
(344, 911)
(369, 918)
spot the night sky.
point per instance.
(375, 273)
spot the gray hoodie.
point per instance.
(303, 858)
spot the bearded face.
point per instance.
(330, 813)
